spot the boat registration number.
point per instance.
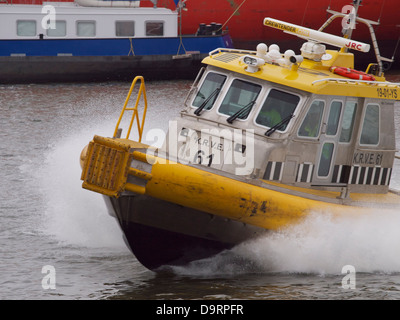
(204, 149)
(388, 93)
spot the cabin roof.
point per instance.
(310, 76)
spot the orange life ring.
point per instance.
(352, 74)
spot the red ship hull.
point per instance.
(244, 19)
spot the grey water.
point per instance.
(47, 219)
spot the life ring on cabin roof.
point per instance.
(352, 74)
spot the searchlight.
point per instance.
(252, 63)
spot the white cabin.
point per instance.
(72, 21)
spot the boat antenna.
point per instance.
(395, 48)
(352, 18)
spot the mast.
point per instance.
(349, 24)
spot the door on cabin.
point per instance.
(336, 132)
(321, 125)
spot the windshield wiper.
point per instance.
(202, 106)
(242, 112)
(279, 125)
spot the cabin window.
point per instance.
(370, 129)
(312, 122)
(326, 159)
(241, 94)
(334, 117)
(26, 28)
(125, 28)
(209, 90)
(348, 121)
(277, 107)
(86, 28)
(154, 28)
(59, 31)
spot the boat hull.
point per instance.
(97, 68)
(40, 61)
(162, 233)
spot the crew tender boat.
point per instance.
(265, 139)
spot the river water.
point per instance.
(49, 221)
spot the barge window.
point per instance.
(312, 122)
(26, 28)
(333, 119)
(154, 28)
(211, 83)
(86, 28)
(240, 94)
(279, 105)
(370, 129)
(348, 121)
(59, 31)
(125, 28)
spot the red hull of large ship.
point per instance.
(244, 19)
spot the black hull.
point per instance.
(32, 69)
(154, 247)
(161, 233)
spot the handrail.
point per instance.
(354, 81)
(140, 125)
(231, 50)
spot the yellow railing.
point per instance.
(135, 115)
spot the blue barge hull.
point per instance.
(76, 60)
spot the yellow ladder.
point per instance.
(135, 115)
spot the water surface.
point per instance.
(48, 219)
